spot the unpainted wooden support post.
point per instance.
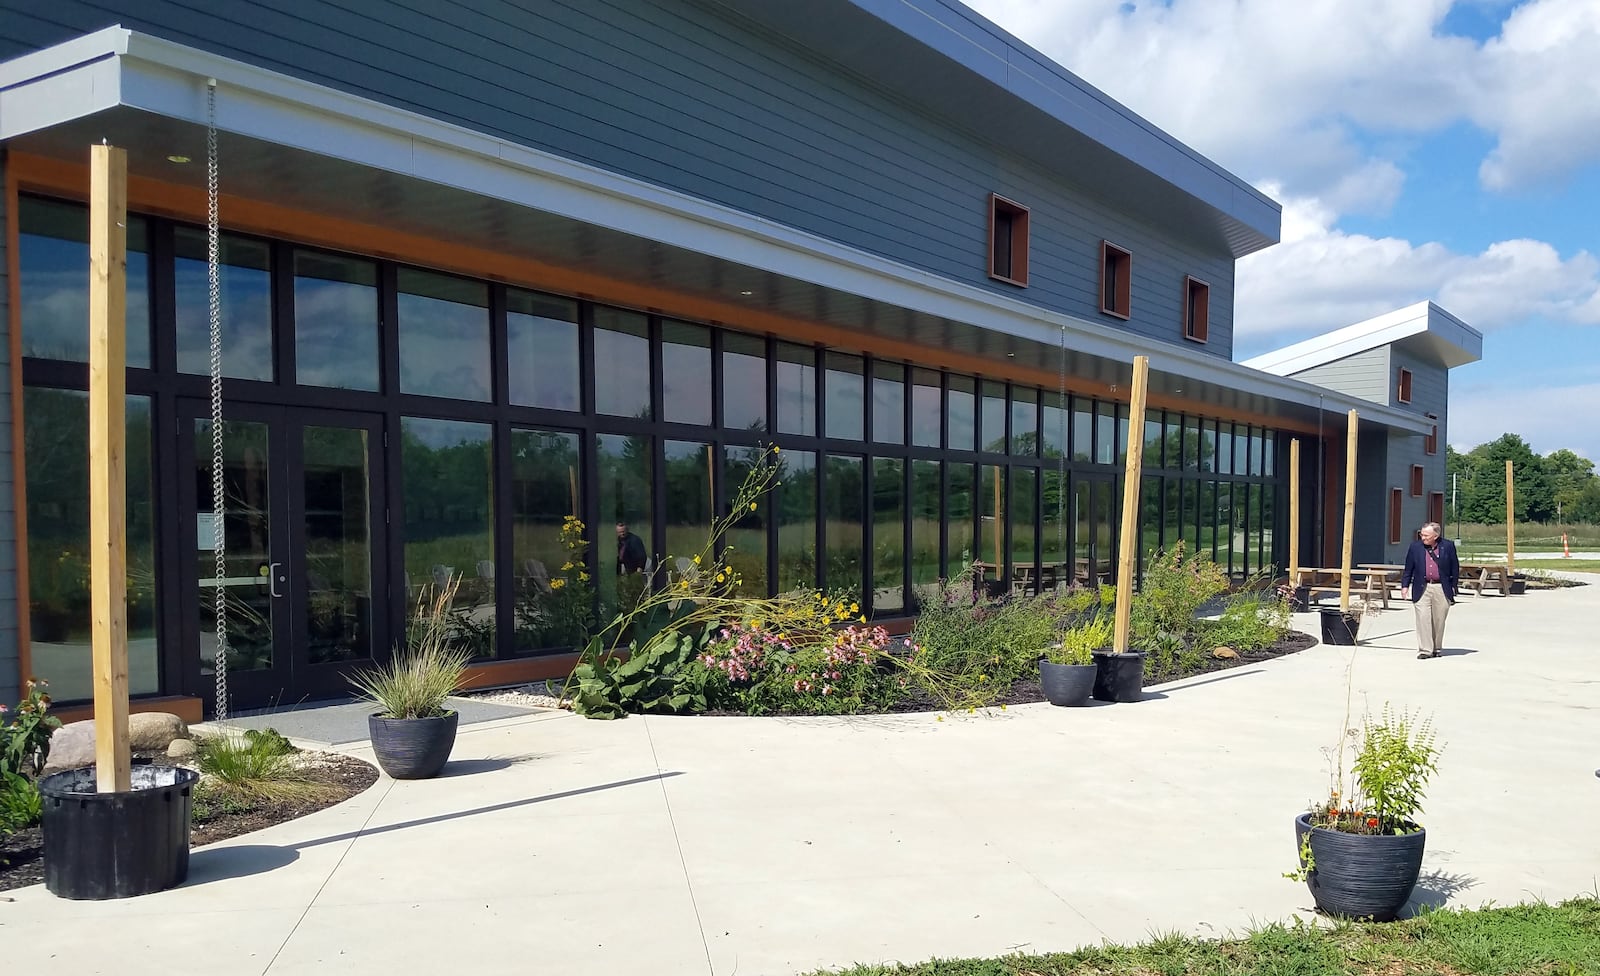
(108, 565)
(1131, 493)
(1349, 512)
(1294, 509)
(1511, 522)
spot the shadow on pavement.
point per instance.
(468, 767)
(223, 863)
(1435, 888)
(1231, 673)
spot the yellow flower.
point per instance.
(752, 506)
(557, 584)
(697, 560)
(855, 608)
(565, 566)
(863, 618)
(684, 584)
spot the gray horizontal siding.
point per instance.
(10, 658)
(680, 95)
(1430, 393)
(1363, 375)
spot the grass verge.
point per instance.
(1522, 940)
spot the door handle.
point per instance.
(273, 579)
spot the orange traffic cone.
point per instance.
(1565, 552)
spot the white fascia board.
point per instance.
(57, 84)
(169, 79)
(1387, 329)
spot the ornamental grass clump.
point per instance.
(417, 682)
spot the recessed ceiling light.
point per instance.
(177, 159)
(747, 294)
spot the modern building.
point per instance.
(487, 266)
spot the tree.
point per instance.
(1569, 475)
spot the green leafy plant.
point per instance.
(1164, 652)
(560, 612)
(1174, 590)
(244, 770)
(1252, 620)
(25, 731)
(270, 740)
(1081, 640)
(417, 682)
(20, 803)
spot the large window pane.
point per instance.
(888, 535)
(744, 382)
(1082, 429)
(1055, 533)
(621, 363)
(1152, 439)
(992, 523)
(688, 472)
(1024, 537)
(1105, 433)
(1054, 409)
(796, 502)
(845, 405)
(962, 405)
(842, 507)
(447, 470)
(337, 479)
(1149, 520)
(1172, 446)
(542, 333)
(1241, 450)
(1267, 520)
(247, 526)
(53, 258)
(335, 321)
(246, 305)
(1122, 435)
(961, 514)
(925, 515)
(444, 336)
(888, 403)
(1224, 448)
(56, 454)
(546, 491)
(1024, 422)
(1256, 451)
(748, 537)
(994, 417)
(625, 545)
(797, 389)
(1172, 512)
(1192, 447)
(925, 408)
(1269, 460)
(686, 374)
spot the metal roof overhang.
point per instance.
(311, 148)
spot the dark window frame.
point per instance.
(1402, 393)
(1416, 480)
(1396, 508)
(1116, 280)
(1008, 241)
(1196, 309)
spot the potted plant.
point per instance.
(1067, 670)
(1342, 627)
(413, 731)
(1361, 850)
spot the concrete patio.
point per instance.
(776, 846)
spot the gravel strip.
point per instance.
(539, 694)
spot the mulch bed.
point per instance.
(1027, 691)
(22, 854)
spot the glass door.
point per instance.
(1094, 526)
(304, 537)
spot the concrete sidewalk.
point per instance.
(775, 846)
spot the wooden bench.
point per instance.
(1477, 576)
(1369, 584)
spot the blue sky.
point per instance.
(1422, 149)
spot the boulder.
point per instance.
(71, 747)
(1226, 653)
(182, 749)
(154, 731)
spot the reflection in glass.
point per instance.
(1083, 533)
(994, 417)
(685, 375)
(1105, 433)
(797, 389)
(338, 544)
(992, 521)
(1229, 520)
(1241, 450)
(1225, 448)
(688, 473)
(444, 336)
(796, 501)
(1192, 447)
(1024, 536)
(53, 261)
(552, 607)
(1152, 439)
(1082, 429)
(1105, 537)
(542, 332)
(1266, 519)
(1024, 421)
(744, 382)
(335, 321)
(1055, 533)
(1269, 461)
(1172, 512)
(961, 545)
(1173, 446)
(621, 363)
(56, 452)
(247, 532)
(845, 405)
(246, 305)
(888, 535)
(889, 403)
(447, 471)
(842, 506)
(1149, 522)
(626, 513)
(962, 405)
(748, 537)
(1122, 435)
(1053, 407)
(925, 571)
(1256, 450)
(925, 412)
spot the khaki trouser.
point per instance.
(1431, 611)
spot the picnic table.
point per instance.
(1023, 575)
(1479, 575)
(1366, 582)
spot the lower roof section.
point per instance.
(317, 165)
(1424, 330)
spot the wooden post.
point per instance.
(1131, 492)
(1511, 522)
(1349, 513)
(108, 566)
(1294, 509)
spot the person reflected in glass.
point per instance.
(630, 551)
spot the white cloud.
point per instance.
(1320, 278)
(1544, 416)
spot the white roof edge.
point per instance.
(168, 79)
(1380, 330)
(104, 43)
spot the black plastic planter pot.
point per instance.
(116, 845)
(1519, 584)
(1339, 627)
(1361, 876)
(1119, 677)
(1300, 599)
(1067, 684)
(412, 748)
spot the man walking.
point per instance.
(1430, 579)
(630, 551)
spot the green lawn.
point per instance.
(1536, 940)
(1568, 565)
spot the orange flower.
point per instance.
(1372, 822)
